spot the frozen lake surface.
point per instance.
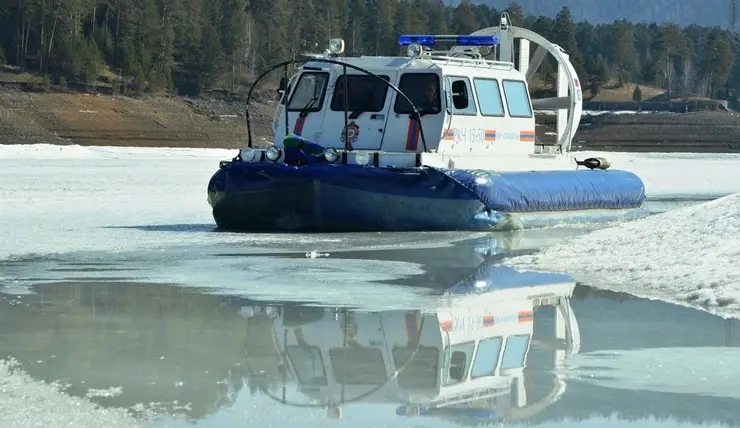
(115, 287)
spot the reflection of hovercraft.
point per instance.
(491, 277)
(295, 316)
(467, 363)
(302, 355)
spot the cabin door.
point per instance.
(368, 103)
(307, 100)
(403, 134)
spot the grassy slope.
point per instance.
(610, 93)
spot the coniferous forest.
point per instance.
(189, 46)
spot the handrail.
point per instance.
(471, 61)
(415, 115)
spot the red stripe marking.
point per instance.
(526, 136)
(412, 137)
(412, 328)
(488, 321)
(526, 316)
(299, 123)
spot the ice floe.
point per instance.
(59, 199)
(687, 256)
(28, 403)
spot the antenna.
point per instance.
(733, 14)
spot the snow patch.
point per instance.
(113, 391)
(74, 151)
(687, 256)
(62, 199)
(29, 403)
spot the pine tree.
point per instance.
(564, 35)
(233, 25)
(357, 28)
(437, 17)
(621, 52)
(188, 26)
(210, 55)
(381, 38)
(222, 43)
(717, 61)
(463, 21)
(516, 13)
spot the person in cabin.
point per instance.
(360, 92)
(425, 95)
(431, 95)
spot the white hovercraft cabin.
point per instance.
(475, 113)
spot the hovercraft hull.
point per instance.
(266, 196)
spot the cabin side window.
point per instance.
(486, 358)
(515, 351)
(364, 93)
(309, 92)
(457, 362)
(489, 97)
(517, 98)
(423, 90)
(460, 97)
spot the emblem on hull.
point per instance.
(352, 131)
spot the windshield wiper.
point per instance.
(309, 104)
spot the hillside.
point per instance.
(68, 117)
(31, 114)
(708, 13)
(697, 132)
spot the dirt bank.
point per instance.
(114, 120)
(704, 131)
(219, 122)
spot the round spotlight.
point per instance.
(273, 153)
(336, 46)
(414, 50)
(248, 154)
(362, 158)
(331, 155)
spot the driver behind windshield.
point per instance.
(423, 91)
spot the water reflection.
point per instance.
(165, 349)
(496, 345)
(464, 359)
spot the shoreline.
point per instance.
(169, 121)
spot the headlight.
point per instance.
(273, 153)
(248, 154)
(331, 155)
(362, 158)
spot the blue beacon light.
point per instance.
(427, 40)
